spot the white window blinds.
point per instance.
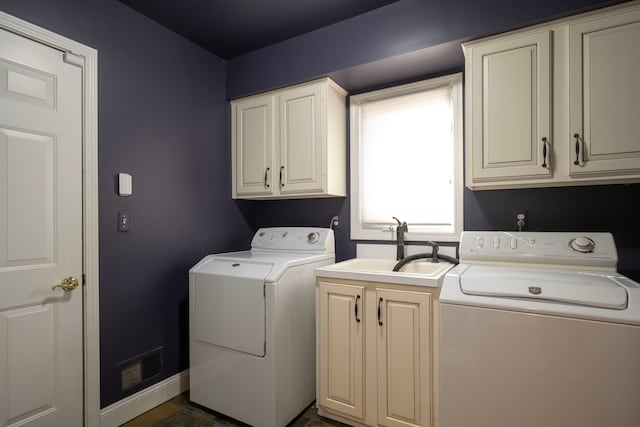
(407, 159)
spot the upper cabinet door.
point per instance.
(253, 133)
(605, 95)
(509, 109)
(301, 140)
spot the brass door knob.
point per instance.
(68, 284)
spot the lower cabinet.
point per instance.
(340, 349)
(374, 344)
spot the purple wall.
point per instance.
(403, 40)
(414, 39)
(588, 208)
(163, 118)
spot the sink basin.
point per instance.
(423, 267)
(419, 272)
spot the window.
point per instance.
(406, 160)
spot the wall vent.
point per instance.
(131, 375)
(141, 369)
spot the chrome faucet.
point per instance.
(400, 230)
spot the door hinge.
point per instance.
(73, 59)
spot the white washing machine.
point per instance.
(538, 329)
(252, 326)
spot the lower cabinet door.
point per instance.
(404, 365)
(340, 348)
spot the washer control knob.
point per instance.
(496, 242)
(583, 244)
(313, 237)
(513, 243)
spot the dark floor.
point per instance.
(180, 412)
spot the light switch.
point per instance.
(125, 186)
(123, 221)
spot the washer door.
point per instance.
(228, 304)
(590, 289)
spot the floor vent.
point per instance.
(141, 369)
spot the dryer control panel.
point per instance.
(295, 239)
(579, 249)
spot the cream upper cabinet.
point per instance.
(254, 136)
(509, 108)
(604, 70)
(374, 347)
(290, 143)
(555, 104)
(301, 140)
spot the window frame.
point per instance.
(358, 232)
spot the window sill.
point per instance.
(360, 234)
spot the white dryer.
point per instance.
(252, 326)
(538, 329)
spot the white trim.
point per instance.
(144, 400)
(360, 233)
(90, 202)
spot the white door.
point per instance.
(40, 235)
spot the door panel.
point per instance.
(28, 202)
(301, 140)
(41, 234)
(511, 108)
(509, 77)
(404, 395)
(26, 84)
(254, 127)
(604, 106)
(340, 348)
(29, 360)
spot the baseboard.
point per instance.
(137, 404)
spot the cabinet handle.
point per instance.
(356, 309)
(266, 172)
(545, 143)
(578, 159)
(281, 170)
(380, 311)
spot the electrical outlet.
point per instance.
(520, 220)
